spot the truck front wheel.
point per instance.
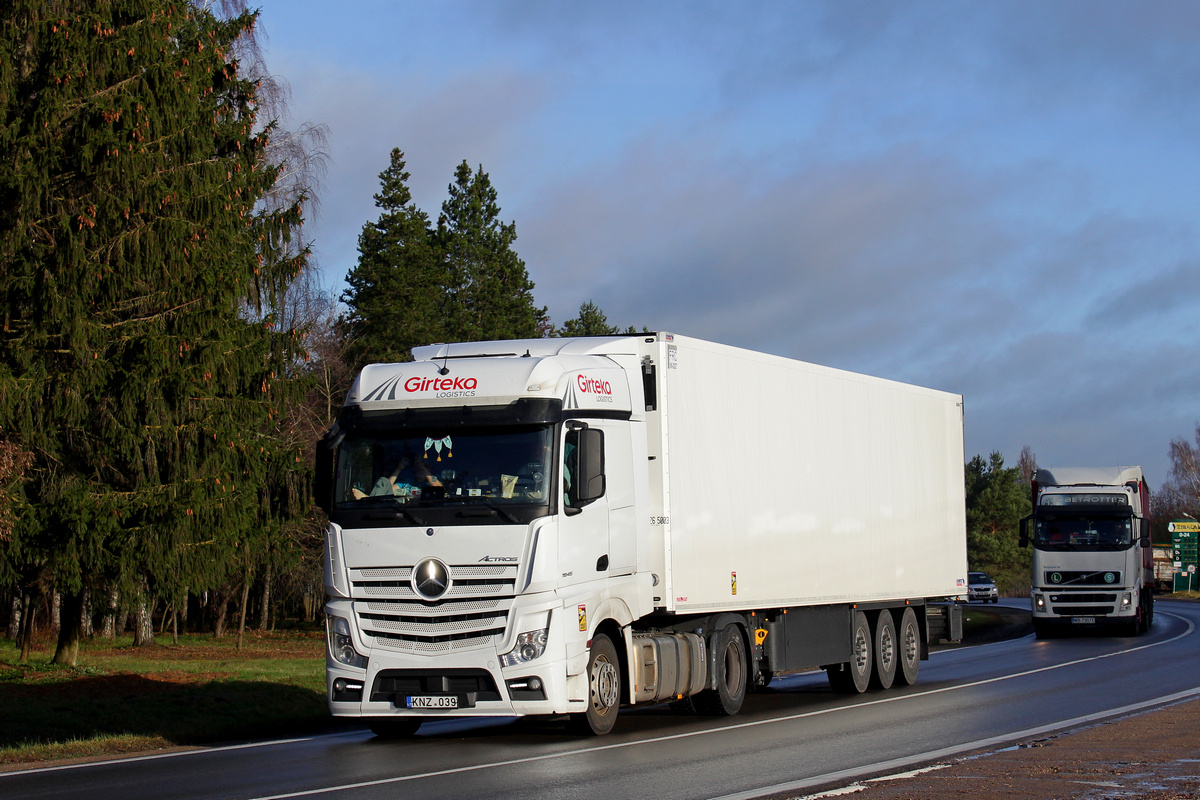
(604, 689)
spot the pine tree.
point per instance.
(138, 363)
(590, 322)
(396, 298)
(996, 501)
(489, 294)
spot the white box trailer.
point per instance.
(631, 519)
(810, 485)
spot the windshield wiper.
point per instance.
(396, 511)
(493, 509)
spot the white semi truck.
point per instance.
(569, 526)
(1092, 559)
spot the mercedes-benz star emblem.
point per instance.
(431, 579)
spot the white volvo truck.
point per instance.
(1093, 564)
(569, 526)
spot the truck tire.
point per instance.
(731, 673)
(604, 689)
(394, 727)
(909, 637)
(886, 651)
(854, 676)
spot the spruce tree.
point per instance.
(396, 298)
(137, 363)
(488, 294)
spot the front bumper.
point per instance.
(473, 681)
(464, 687)
(1083, 606)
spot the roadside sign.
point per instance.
(1185, 535)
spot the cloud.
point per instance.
(992, 199)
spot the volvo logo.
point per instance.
(431, 579)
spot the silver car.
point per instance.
(981, 588)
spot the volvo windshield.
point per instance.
(1085, 529)
(434, 476)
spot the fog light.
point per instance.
(527, 688)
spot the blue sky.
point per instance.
(996, 199)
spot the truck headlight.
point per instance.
(1040, 602)
(341, 646)
(1126, 600)
(530, 645)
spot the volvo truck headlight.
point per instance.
(1040, 602)
(530, 645)
(1126, 600)
(341, 646)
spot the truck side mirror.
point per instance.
(589, 482)
(1144, 525)
(591, 465)
(323, 473)
(1023, 540)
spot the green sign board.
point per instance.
(1185, 533)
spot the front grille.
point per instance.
(1083, 598)
(473, 612)
(1082, 577)
(1082, 611)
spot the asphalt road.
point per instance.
(788, 740)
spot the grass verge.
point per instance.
(121, 699)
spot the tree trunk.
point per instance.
(85, 624)
(242, 620)
(28, 620)
(70, 609)
(222, 613)
(264, 613)
(143, 619)
(55, 610)
(14, 618)
(108, 625)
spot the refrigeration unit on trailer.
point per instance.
(570, 526)
(1092, 558)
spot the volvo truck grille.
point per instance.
(472, 612)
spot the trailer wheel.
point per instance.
(394, 727)
(910, 647)
(732, 673)
(854, 677)
(886, 655)
(604, 689)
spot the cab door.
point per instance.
(583, 547)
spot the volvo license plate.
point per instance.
(432, 701)
(1083, 620)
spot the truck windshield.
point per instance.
(1083, 532)
(424, 476)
